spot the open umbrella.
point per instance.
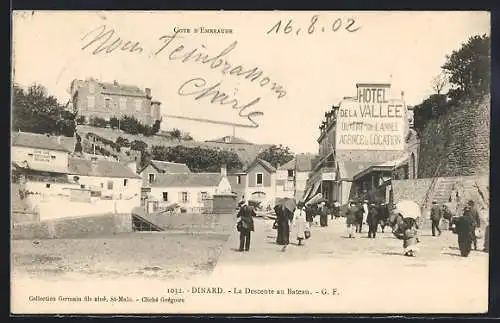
(254, 203)
(287, 202)
(408, 209)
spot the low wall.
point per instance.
(192, 222)
(59, 208)
(75, 227)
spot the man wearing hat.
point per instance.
(372, 220)
(435, 218)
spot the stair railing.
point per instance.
(432, 186)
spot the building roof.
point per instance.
(40, 167)
(121, 89)
(168, 167)
(385, 166)
(35, 140)
(348, 169)
(187, 180)
(290, 165)
(230, 140)
(270, 168)
(99, 168)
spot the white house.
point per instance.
(151, 170)
(291, 178)
(38, 153)
(189, 190)
(111, 179)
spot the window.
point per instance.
(238, 179)
(123, 103)
(138, 104)
(260, 178)
(53, 157)
(47, 185)
(151, 178)
(125, 182)
(82, 186)
(290, 173)
(165, 196)
(110, 185)
(102, 185)
(204, 196)
(90, 102)
(184, 197)
(107, 103)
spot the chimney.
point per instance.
(223, 170)
(115, 83)
(148, 93)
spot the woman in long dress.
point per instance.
(410, 237)
(299, 222)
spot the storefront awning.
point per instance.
(315, 190)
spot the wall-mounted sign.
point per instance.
(41, 156)
(329, 176)
(371, 121)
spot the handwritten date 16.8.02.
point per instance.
(315, 26)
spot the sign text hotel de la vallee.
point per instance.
(371, 121)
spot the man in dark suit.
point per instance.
(245, 225)
(476, 221)
(435, 218)
(372, 219)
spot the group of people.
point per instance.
(467, 226)
(373, 214)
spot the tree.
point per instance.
(196, 158)
(114, 123)
(78, 145)
(439, 82)
(139, 145)
(277, 155)
(176, 134)
(98, 122)
(469, 68)
(156, 127)
(122, 142)
(36, 111)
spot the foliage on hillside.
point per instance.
(277, 155)
(197, 159)
(467, 70)
(34, 110)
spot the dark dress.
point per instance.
(309, 214)
(283, 222)
(323, 216)
(465, 230)
(383, 216)
(246, 215)
(350, 215)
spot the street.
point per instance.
(369, 275)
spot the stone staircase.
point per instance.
(443, 189)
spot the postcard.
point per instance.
(278, 162)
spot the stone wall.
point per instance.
(460, 140)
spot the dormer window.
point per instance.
(227, 139)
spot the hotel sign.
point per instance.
(371, 121)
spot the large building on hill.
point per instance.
(93, 98)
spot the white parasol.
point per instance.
(408, 209)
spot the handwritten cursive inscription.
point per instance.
(198, 87)
(107, 43)
(104, 41)
(315, 26)
(199, 55)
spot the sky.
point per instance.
(316, 70)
